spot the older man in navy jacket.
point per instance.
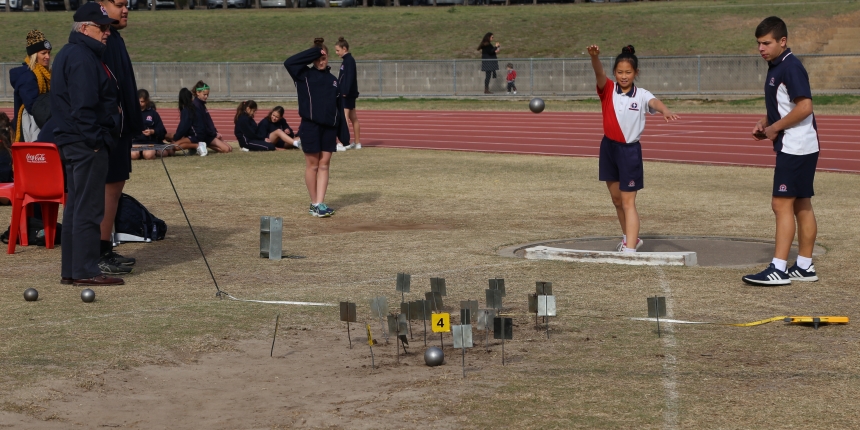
(87, 120)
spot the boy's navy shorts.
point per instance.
(349, 102)
(794, 175)
(317, 138)
(621, 162)
(119, 160)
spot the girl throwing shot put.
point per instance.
(322, 119)
(624, 106)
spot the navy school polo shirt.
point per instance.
(786, 81)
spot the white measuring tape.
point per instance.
(278, 302)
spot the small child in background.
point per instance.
(512, 77)
(247, 132)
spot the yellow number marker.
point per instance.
(441, 323)
(370, 340)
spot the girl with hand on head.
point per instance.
(278, 131)
(322, 119)
(624, 106)
(347, 78)
(247, 133)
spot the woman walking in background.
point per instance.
(490, 64)
(348, 81)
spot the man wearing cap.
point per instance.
(119, 163)
(85, 110)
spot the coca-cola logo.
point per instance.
(36, 158)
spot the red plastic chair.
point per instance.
(38, 179)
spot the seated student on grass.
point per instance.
(250, 137)
(279, 132)
(210, 135)
(153, 130)
(188, 132)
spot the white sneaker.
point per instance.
(201, 149)
(357, 145)
(508, 93)
(340, 148)
(245, 149)
(297, 143)
(515, 92)
(351, 146)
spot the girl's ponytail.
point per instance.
(240, 110)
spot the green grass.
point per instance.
(593, 373)
(655, 28)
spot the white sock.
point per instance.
(779, 264)
(624, 238)
(804, 262)
(626, 249)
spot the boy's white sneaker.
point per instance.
(201, 149)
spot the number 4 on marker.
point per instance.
(441, 323)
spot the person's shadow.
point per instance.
(345, 200)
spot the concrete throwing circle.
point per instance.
(709, 250)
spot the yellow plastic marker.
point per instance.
(441, 323)
(370, 340)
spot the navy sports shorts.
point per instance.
(621, 162)
(317, 138)
(794, 175)
(119, 160)
(349, 103)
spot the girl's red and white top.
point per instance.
(624, 113)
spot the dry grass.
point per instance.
(433, 213)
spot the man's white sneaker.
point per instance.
(340, 148)
(201, 149)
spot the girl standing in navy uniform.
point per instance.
(624, 106)
(247, 133)
(322, 119)
(276, 128)
(347, 78)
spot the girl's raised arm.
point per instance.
(594, 52)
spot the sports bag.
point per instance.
(133, 218)
(35, 233)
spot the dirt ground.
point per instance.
(312, 380)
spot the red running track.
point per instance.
(695, 138)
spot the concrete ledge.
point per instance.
(631, 258)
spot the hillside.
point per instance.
(655, 28)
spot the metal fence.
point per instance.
(572, 77)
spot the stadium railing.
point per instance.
(704, 75)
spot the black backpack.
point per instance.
(133, 218)
(35, 233)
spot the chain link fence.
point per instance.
(665, 76)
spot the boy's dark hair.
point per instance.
(509, 65)
(186, 98)
(240, 110)
(628, 54)
(144, 94)
(772, 25)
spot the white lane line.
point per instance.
(670, 362)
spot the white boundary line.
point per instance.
(670, 362)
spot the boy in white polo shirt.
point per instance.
(790, 124)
